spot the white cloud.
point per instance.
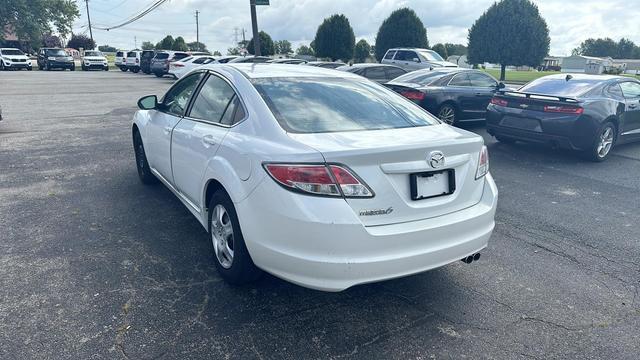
(569, 21)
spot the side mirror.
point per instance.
(148, 102)
(500, 86)
(416, 60)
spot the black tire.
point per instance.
(241, 269)
(135, 70)
(123, 69)
(144, 172)
(2, 68)
(84, 68)
(505, 140)
(604, 141)
(46, 67)
(30, 68)
(448, 113)
(73, 68)
(157, 74)
(106, 68)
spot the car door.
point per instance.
(162, 121)
(484, 87)
(407, 60)
(198, 136)
(460, 91)
(631, 124)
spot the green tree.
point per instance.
(197, 46)
(282, 47)
(31, 19)
(623, 49)
(361, 51)
(266, 45)
(626, 49)
(403, 28)
(233, 51)
(179, 45)
(305, 50)
(441, 50)
(107, 48)
(492, 37)
(335, 39)
(148, 45)
(166, 43)
(78, 41)
(217, 53)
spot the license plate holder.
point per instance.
(432, 184)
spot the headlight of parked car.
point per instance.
(51, 58)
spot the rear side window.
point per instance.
(460, 80)
(162, 56)
(615, 90)
(213, 101)
(393, 73)
(316, 105)
(422, 77)
(481, 80)
(376, 73)
(390, 54)
(560, 86)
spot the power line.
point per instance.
(153, 6)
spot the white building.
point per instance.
(586, 64)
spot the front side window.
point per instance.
(460, 80)
(404, 55)
(177, 99)
(481, 80)
(630, 89)
(213, 100)
(316, 105)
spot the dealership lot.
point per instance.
(95, 265)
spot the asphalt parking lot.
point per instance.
(94, 265)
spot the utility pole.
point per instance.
(254, 26)
(198, 28)
(135, 42)
(89, 18)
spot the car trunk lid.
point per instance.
(386, 160)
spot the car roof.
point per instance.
(270, 70)
(408, 48)
(367, 65)
(7, 48)
(585, 77)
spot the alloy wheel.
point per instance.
(222, 236)
(605, 142)
(447, 114)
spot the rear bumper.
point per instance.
(321, 244)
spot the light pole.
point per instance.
(254, 26)
(89, 18)
(198, 28)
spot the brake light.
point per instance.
(413, 95)
(483, 163)
(177, 65)
(324, 180)
(564, 109)
(499, 102)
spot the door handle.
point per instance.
(167, 130)
(208, 140)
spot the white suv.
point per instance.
(120, 60)
(412, 59)
(133, 61)
(93, 59)
(11, 58)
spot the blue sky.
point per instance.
(570, 21)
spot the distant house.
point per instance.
(551, 63)
(586, 64)
(460, 60)
(628, 66)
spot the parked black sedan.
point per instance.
(381, 73)
(451, 94)
(588, 113)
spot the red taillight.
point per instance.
(499, 102)
(177, 65)
(564, 109)
(326, 180)
(483, 163)
(413, 95)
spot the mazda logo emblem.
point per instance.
(436, 159)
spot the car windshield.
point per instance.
(431, 55)
(560, 87)
(56, 52)
(316, 105)
(92, 53)
(420, 77)
(12, 52)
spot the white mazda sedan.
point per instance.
(317, 176)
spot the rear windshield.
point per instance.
(560, 87)
(147, 54)
(132, 54)
(12, 52)
(314, 105)
(162, 56)
(178, 56)
(120, 53)
(420, 77)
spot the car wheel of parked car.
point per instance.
(84, 68)
(106, 68)
(124, 69)
(447, 113)
(232, 258)
(144, 172)
(135, 71)
(604, 142)
(2, 68)
(73, 68)
(46, 67)
(159, 74)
